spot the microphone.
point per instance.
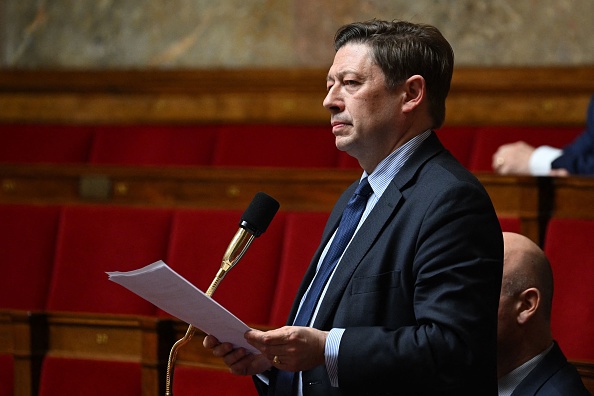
(253, 223)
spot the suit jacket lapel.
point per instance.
(544, 370)
(370, 229)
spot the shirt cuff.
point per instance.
(331, 354)
(541, 159)
(264, 378)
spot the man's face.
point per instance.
(365, 115)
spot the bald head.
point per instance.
(523, 327)
(525, 265)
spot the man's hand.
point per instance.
(290, 348)
(239, 361)
(513, 159)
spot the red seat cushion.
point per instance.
(459, 140)
(276, 146)
(95, 239)
(153, 145)
(303, 231)
(27, 243)
(202, 381)
(199, 239)
(568, 245)
(57, 144)
(62, 376)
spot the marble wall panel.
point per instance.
(103, 34)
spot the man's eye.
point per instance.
(349, 82)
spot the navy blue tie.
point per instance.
(348, 224)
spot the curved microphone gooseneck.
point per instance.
(254, 221)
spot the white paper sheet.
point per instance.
(160, 285)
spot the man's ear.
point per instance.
(529, 301)
(415, 92)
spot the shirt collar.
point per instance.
(385, 171)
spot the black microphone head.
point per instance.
(259, 214)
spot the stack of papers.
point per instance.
(160, 285)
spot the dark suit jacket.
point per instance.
(553, 376)
(417, 289)
(578, 156)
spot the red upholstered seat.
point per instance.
(303, 231)
(199, 239)
(45, 143)
(27, 243)
(153, 145)
(276, 146)
(488, 139)
(87, 377)
(96, 239)
(568, 244)
(202, 381)
(459, 140)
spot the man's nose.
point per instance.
(332, 102)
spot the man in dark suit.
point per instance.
(411, 306)
(529, 361)
(577, 158)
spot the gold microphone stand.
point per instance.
(238, 246)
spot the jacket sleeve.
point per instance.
(578, 156)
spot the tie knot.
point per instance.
(364, 189)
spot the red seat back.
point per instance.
(303, 231)
(95, 239)
(276, 146)
(459, 140)
(59, 144)
(488, 139)
(203, 381)
(568, 244)
(345, 161)
(27, 243)
(153, 145)
(199, 239)
(62, 376)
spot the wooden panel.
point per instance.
(113, 338)
(517, 197)
(206, 187)
(479, 96)
(574, 197)
(29, 347)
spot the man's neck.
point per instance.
(507, 362)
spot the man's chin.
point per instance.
(342, 143)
